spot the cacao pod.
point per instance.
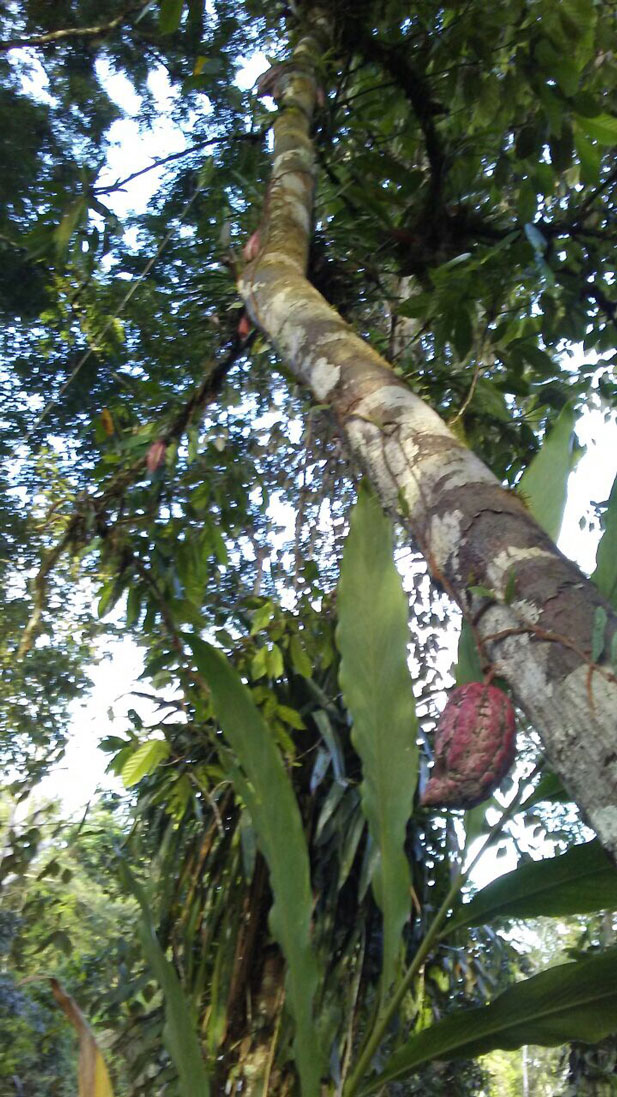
(475, 745)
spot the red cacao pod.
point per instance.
(475, 745)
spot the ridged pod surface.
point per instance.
(475, 746)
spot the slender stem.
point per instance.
(433, 935)
(382, 1024)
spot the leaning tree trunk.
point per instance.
(537, 627)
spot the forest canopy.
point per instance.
(286, 425)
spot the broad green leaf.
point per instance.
(577, 882)
(571, 1002)
(299, 659)
(605, 575)
(589, 156)
(544, 483)
(291, 716)
(93, 1078)
(267, 791)
(179, 1032)
(372, 637)
(144, 760)
(602, 128)
(72, 219)
(170, 15)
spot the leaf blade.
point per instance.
(372, 637)
(579, 881)
(269, 797)
(571, 1001)
(544, 482)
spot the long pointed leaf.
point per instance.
(577, 882)
(605, 575)
(372, 637)
(570, 1002)
(179, 1033)
(544, 483)
(94, 1079)
(270, 800)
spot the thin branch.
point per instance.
(54, 36)
(253, 135)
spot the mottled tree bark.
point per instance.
(536, 629)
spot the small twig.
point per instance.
(54, 36)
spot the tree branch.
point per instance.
(55, 36)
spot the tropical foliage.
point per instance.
(200, 450)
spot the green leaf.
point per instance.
(110, 593)
(291, 717)
(144, 760)
(543, 485)
(469, 662)
(372, 637)
(299, 659)
(577, 882)
(274, 661)
(170, 15)
(602, 128)
(258, 663)
(262, 617)
(179, 1032)
(268, 794)
(598, 637)
(571, 1002)
(71, 221)
(605, 574)
(589, 156)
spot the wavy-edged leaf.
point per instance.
(544, 483)
(372, 637)
(605, 574)
(267, 791)
(571, 1002)
(144, 760)
(577, 882)
(180, 1031)
(94, 1080)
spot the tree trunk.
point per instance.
(536, 628)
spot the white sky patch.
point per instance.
(77, 778)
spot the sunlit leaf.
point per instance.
(268, 794)
(372, 637)
(144, 760)
(179, 1033)
(544, 483)
(605, 574)
(571, 1002)
(577, 882)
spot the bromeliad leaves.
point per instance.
(571, 1002)
(179, 1033)
(262, 782)
(372, 638)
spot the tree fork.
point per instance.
(536, 626)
